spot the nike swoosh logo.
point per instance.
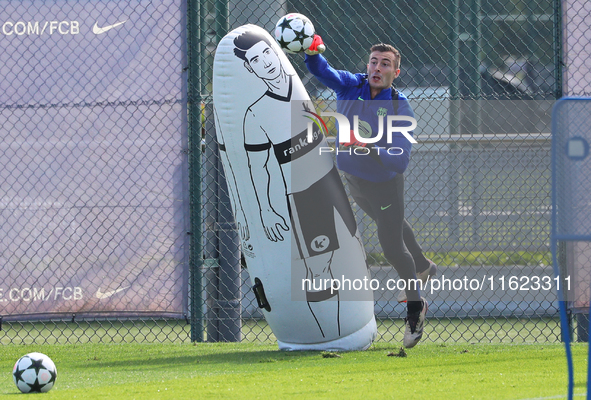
(98, 30)
(106, 295)
(359, 98)
(385, 208)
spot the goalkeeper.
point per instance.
(375, 174)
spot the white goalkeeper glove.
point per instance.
(317, 46)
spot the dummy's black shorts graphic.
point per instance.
(315, 209)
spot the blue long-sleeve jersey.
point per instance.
(394, 155)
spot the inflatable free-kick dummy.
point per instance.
(298, 232)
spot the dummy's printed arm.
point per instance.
(273, 223)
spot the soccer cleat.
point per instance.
(424, 276)
(414, 323)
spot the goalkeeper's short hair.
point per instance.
(384, 47)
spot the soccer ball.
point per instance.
(294, 32)
(34, 372)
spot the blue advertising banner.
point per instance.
(93, 165)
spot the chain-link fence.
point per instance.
(478, 188)
(101, 184)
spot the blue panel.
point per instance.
(571, 167)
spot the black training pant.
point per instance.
(384, 203)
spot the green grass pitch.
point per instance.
(260, 371)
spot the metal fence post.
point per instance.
(194, 110)
(211, 238)
(558, 49)
(225, 302)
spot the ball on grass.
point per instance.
(34, 372)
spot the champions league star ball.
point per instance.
(34, 372)
(294, 32)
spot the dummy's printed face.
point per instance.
(382, 69)
(263, 61)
